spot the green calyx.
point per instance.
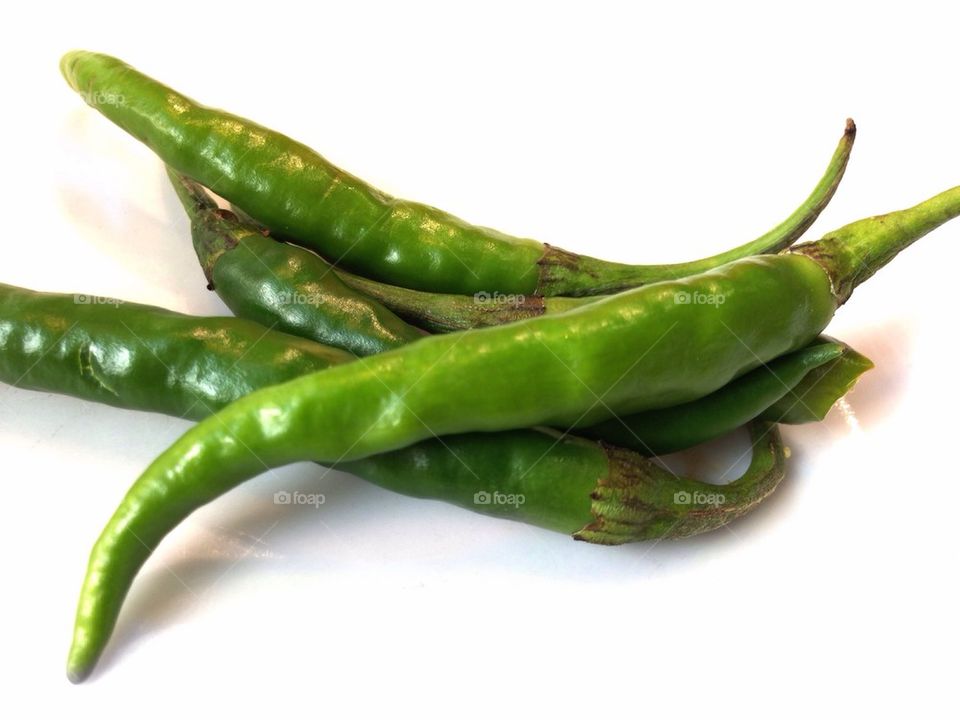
(640, 500)
(853, 253)
(214, 230)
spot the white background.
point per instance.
(631, 134)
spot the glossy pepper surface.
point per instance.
(298, 194)
(812, 397)
(772, 305)
(147, 358)
(282, 286)
(138, 356)
(142, 357)
(666, 430)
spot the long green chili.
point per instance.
(638, 350)
(299, 194)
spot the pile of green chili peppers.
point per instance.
(433, 357)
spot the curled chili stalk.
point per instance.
(300, 195)
(644, 501)
(638, 350)
(283, 286)
(630, 497)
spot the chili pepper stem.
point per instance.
(447, 312)
(211, 236)
(563, 272)
(852, 254)
(639, 500)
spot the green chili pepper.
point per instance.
(136, 356)
(651, 433)
(641, 349)
(442, 312)
(298, 194)
(282, 286)
(146, 358)
(634, 499)
(811, 399)
(657, 432)
(598, 493)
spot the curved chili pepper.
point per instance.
(146, 358)
(253, 295)
(283, 286)
(142, 357)
(596, 493)
(638, 350)
(297, 193)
